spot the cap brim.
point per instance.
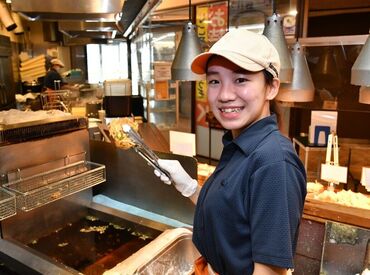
(199, 63)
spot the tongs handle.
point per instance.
(143, 150)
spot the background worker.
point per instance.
(53, 79)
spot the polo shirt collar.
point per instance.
(250, 137)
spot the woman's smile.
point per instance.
(231, 110)
(237, 97)
(230, 113)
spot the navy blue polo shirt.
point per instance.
(249, 210)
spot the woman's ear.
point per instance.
(273, 90)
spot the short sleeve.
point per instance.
(276, 204)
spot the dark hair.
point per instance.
(209, 60)
(273, 105)
(268, 77)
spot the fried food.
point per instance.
(120, 138)
(314, 187)
(345, 197)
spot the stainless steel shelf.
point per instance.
(163, 99)
(163, 110)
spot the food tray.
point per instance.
(179, 257)
(172, 252)
(7, 204)
(42, 188)
(337, 212)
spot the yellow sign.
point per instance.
(201, 91)
(202, 22)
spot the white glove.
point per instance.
(182, 181)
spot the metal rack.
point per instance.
(56, 100)
(46, 186)
(7, 204)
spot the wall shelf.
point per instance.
(163, 111)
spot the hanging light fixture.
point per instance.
(364, 95)
(301, 89)
(188, 48)
(6, 17)
(274, 32)
(326, 72)
(360, 73)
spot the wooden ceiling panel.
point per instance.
(319, 5)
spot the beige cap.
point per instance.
(251, 51)
(56, 61)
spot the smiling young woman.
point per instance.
(248, 211)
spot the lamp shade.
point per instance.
(364, 95)
(274, 32)
(360, 72)
(188, 48)
(301, 89)
(6, 17)
(326, 73)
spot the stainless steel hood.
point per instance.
(88, 18)
(55, 10)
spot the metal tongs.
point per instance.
(143, 150)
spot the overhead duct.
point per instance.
(101, 30)
(78, 41)
(134, 13)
